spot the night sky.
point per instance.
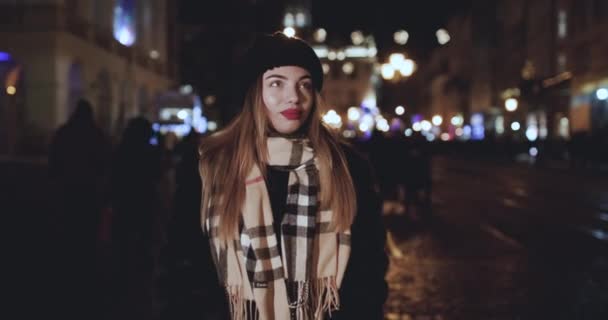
(420, 18)
(339, 17)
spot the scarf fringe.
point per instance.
(240, 308)
(322, 298)
(325, 296)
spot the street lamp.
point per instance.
(511, 104)
(357, 37)
(437, 120)
(443, 36)
(320, 35)
(401, 37)
(602, 94)
(388, 72)
(289, 32)
(397, 62)
(399, 110)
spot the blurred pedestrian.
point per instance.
(417, 178)
(78, 166)
(293, 215)
(136, 223)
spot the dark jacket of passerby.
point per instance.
(135, 198)
(78, 165)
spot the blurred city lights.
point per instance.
(349, 134)
(290, 32)
(430, 137)
(564, 127)
(515, 126)
(401, 37)
(371, 52)
(407, 67)
(368, 119)
(417, 126)
(11, 90)
(408, 132)
(602, 94)
(437, 120)
(182, 114)
(445, 136)
(458, 132)
(185, 89)
(388, 72)
(331, 55)
(363, 127)
(333, 119)
(399, 110)
(354, 114)
(477, 126)
(499, 125)
(348, 67)
(457, 120)
(4, 56)
(326, 68)
(154, 54)
(533, 152)
(300, 19)
(320, 35)
(511, 104)
(124, 22)
(211, 125)
(341, 55)
(443, 36)
(321, 51)
(382, 125)
(209, 100)
(289, 20)
(357, 37)
(532, 133)
(426, 125)
(395, 59)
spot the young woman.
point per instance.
(292, 215)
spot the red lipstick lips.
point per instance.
(292, 114)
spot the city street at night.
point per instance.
(305, 159)
(508, 242)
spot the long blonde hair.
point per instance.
(227, 157)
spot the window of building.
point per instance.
(562, 24)
(561, 62)
(124, 22)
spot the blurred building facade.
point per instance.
(547, 56)
(351, 80)
(118, 54)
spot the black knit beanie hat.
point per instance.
(277, 50)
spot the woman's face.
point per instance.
(288, 94)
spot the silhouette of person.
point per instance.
(135, 230)
(78, 162)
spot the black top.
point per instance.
(276, 182)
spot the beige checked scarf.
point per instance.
(300, 282)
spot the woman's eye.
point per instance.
(306, 85)
(275, 84)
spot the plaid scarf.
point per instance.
(301, 282)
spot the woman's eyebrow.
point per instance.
(276, 76)
(306, 76)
